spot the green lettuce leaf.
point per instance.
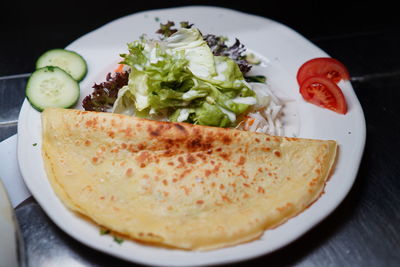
(180, 77)
(197, 52)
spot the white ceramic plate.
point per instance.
(283, 51)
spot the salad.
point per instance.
(187, 76)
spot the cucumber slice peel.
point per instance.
(52, 87)
(69, 61)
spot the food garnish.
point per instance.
(51, 87)
(256, 78)
(325, 93)
(118, 240)
(104, 231)
(55, 82)
(67, 60)
(166, 29)
(105, 93)
(318, 79)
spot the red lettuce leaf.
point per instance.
(105, 93)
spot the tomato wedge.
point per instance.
(323, 66)
(323, 92)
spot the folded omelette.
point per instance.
(180, 185)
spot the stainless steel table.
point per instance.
(363, 231)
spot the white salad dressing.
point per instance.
(183, 115)
(249, 100)
(190, 94)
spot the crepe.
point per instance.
(180, 185)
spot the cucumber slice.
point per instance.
(51, 87)
(69, 61)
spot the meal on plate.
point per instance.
(181, 146)
(180, 185)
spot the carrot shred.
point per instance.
(248, 122)
(120, 68)
(251, 121)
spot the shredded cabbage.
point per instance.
(265, 116)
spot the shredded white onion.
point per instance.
(245, 100)
(265, 117)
